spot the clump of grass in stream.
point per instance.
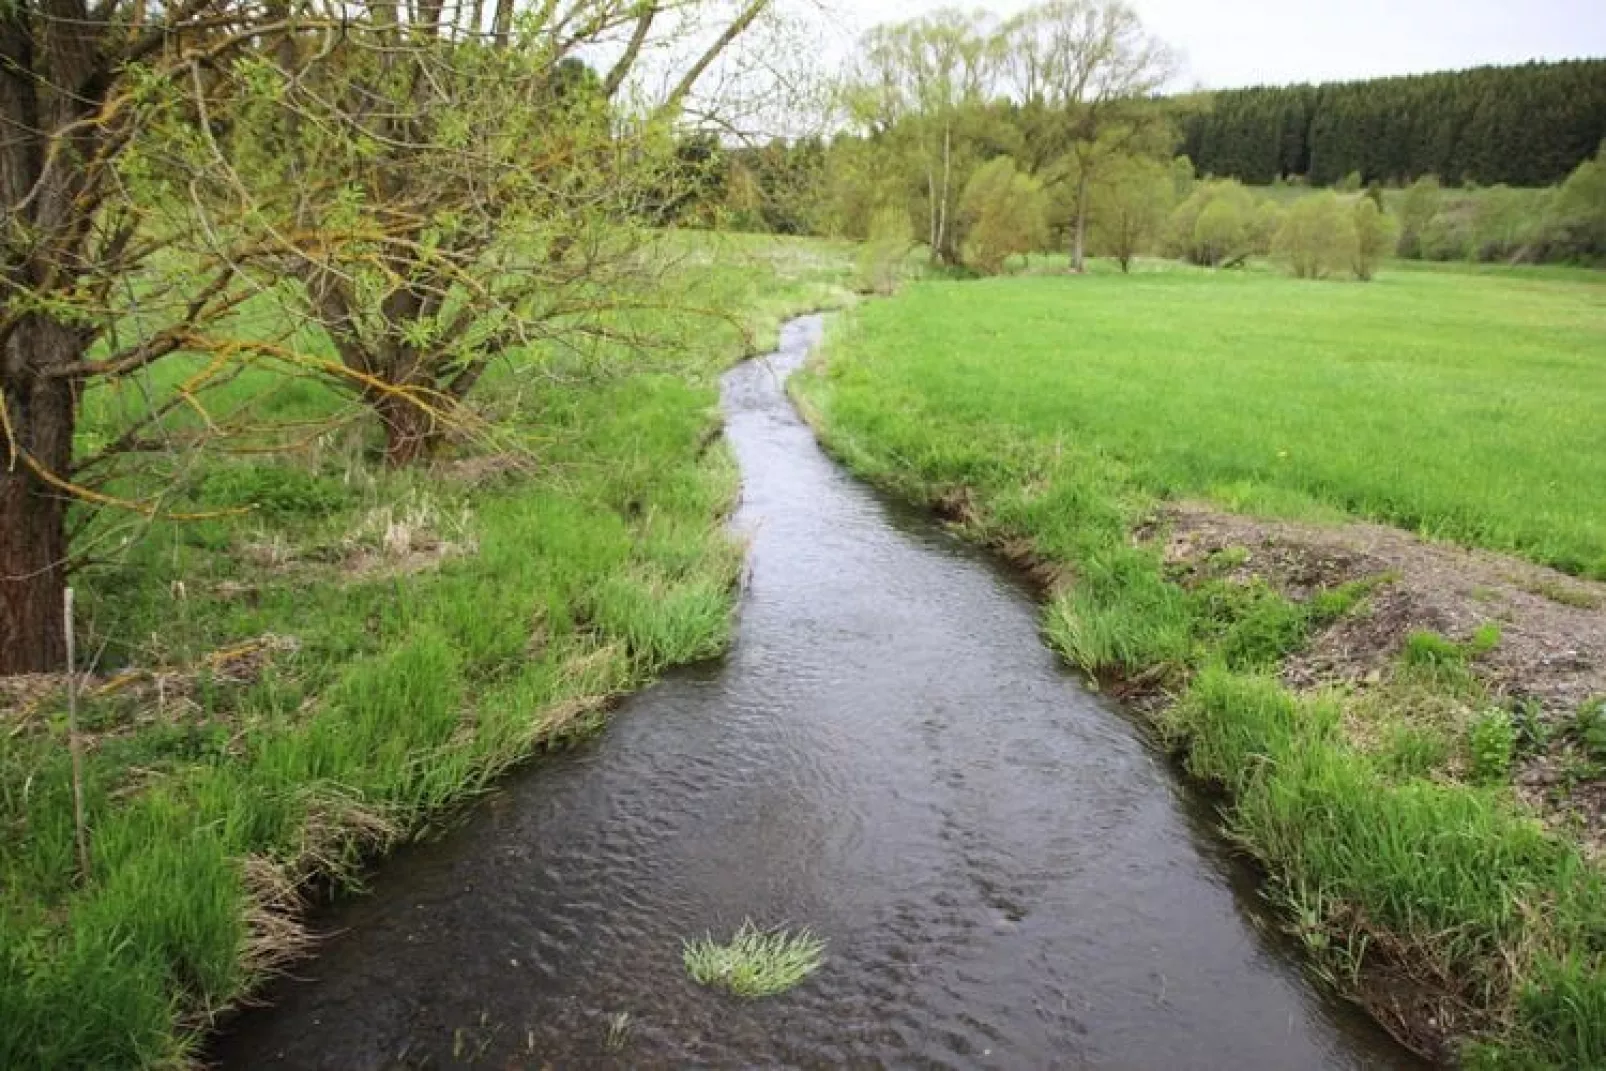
(405, 691)
(754, 962)
(1383, 859)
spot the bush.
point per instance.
(1003, 214)
(1267, 221)
(1375, 237)
(886, 252)
(1214, 225)
(1417, 209)
(1183, 179)
(1130, 204)
(1509, 224)
(1317, 237)
(1578, 212)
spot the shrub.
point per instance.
(1509, 224)
(1375, 237)
(1417, 209)
(1450, 234)
(1590, 729)
(1213, 225)
(1130, 205)
(1183, 179)
(1003, 214)
(886, 252)
(1317, 237)
(1578, 212)
(1267, 221)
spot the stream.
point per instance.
(1007, 874)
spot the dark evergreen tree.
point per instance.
(1523, 126)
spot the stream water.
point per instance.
(1007, 875)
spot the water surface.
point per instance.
(1008, 877)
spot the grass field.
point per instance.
(1056, 413)
(1465, 406)
(314, 679)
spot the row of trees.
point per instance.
(425, 183)
(1044, 132)
(1559, 223)
(1060, 91)
(1523, 126)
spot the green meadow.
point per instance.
(343, 653)
(1464, 405)
(1055, 414)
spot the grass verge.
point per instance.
(283, 694)
(1417, 881)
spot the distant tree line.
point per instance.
(1522, 126)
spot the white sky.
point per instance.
(1248, 42)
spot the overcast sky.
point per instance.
(1248, 42)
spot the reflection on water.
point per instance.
(1006, 875)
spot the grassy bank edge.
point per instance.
(1463, 926)
(177, 927)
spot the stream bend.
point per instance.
(1006, 874)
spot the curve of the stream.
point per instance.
(1007, 875)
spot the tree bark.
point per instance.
(502, 23)
(1078, 259)
(411, 433)
(33, 534)
(947, 181)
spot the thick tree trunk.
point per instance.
(411, 433)
(33, 534)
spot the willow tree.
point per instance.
(464, 194)
(95, 101)
(426, 183)
(1088, 69)
(912, 87)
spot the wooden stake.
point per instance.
(76, 744)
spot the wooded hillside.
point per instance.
(1524, 126)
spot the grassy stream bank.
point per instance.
(282, 694)
(1053, 419)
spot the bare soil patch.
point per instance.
(1552, 648)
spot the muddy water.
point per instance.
(1007, 876)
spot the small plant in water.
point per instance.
(754, 963)
(618, 1031)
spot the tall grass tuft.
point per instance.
(754, 962)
